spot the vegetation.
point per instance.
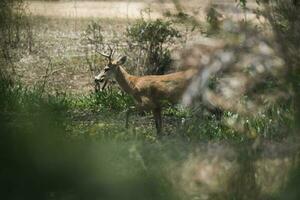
(152, 37)
(59, 144)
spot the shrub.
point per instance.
(213, 19)
(15, 31)
(113, 99)
(153, 38)
(92, 38)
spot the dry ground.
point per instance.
(58, 58)
(134, 9)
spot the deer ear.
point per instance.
(122, 60)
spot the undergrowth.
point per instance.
(102, 115)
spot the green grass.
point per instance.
(60, 146)
(55, 144)
(102, 115)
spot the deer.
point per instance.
(149, 92)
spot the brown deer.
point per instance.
(149, 92)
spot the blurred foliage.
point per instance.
(285, 21)
(243, 3)
(252, 89)
(62, 146)
(213, 19)
(153, 37)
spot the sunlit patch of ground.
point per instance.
(136, 9)
(88, 9)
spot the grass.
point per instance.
(56, 73)
(59, 140)
(102, 115)
(64, 146)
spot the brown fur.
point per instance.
(150, 92)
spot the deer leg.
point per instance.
(128, 112)
(158, 120)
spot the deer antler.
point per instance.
(108, 56)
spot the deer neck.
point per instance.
(123, 79)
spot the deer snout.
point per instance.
(100, 82)
(99, 78)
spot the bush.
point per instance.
(15, 31)
(92, 39)
(108, 100)
(153, 38)
(213, 19)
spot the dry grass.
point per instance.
(135, 9)
(57, 28)
(58, 56)
(100, 9)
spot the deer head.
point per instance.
(108, 71)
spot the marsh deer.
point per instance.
(149, 92)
